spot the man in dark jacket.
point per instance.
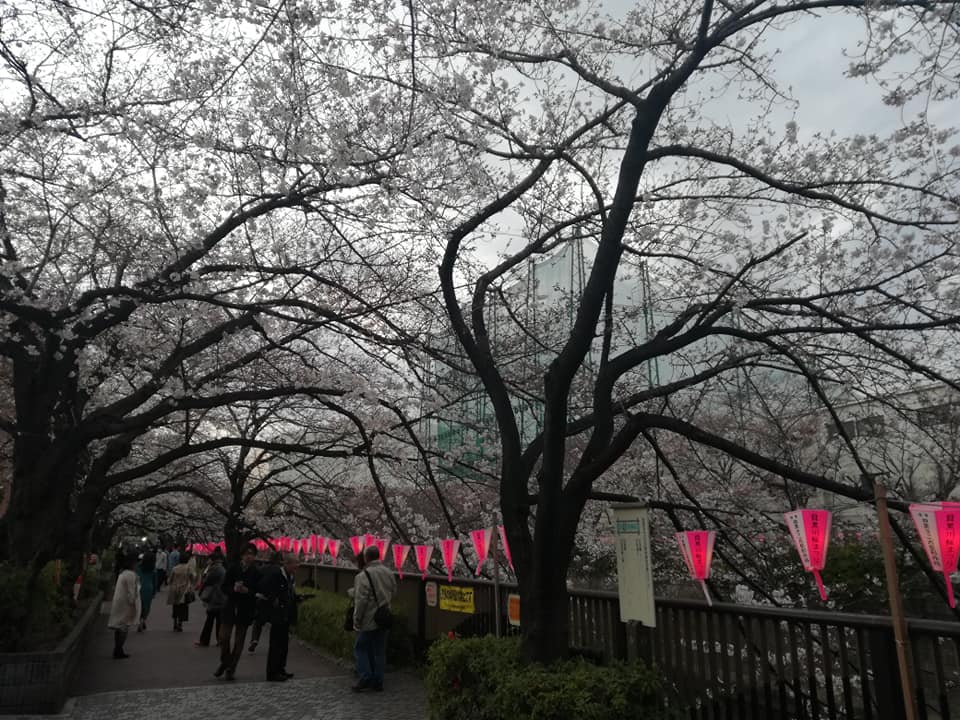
(240, 587)
(263, 607)
(281, 597)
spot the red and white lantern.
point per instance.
(810, 530)
(333, 547)
(321, 547)
(357, 545)
(400, 553)
(505, 545)
(382, 545)
(938, 525)
(370, 539)
(696, 546)
(449, 548)
(423, 553)
(481, 545)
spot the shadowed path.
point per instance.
(167, 677)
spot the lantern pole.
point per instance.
(496, 581)
(896, 602)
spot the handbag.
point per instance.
(348, 620)
(382, 617)
(189, 596)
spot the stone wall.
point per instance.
(38, 682)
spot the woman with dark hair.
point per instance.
(125, 608)
(212, 597)
(181, 591)
(147, 572)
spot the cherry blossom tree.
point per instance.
(825, 257)
(200, 205)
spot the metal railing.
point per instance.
(730, 661)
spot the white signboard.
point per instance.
(631, 524)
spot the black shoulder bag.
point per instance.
(382, 617)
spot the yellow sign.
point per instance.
(457, 599)
(513, 609)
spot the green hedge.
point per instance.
(487, 679)
(34, 621)
(320, 623)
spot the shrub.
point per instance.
(487, 679)
(320, 623)
(31, 621)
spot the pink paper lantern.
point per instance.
(382, 544)
(357, 545)
(810, 530)
(938, 525)
(481, 545)
(333, 546)
(369, 539)
(400, 553)
(696, 546)
(505, 544)
(423, 553)
(321, 547)
(449, 548)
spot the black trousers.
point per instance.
(279, 646)
(213, 618)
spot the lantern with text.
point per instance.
(938, 525)
(481, 545)
(810, 530)
(505, 545)
(400, 553)
(333, 547)
(382, 544)
(423, 553)
(696, 546)
(449, 548)
(356, 544)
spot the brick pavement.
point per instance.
(166, 677)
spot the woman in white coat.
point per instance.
(125, 608)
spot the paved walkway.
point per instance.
(167, 677)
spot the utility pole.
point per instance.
(901, 637)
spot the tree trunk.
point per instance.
(545, 613)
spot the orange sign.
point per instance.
(513, 609)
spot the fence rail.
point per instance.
(731, 662)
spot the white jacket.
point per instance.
(125, 608)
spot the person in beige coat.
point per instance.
(181, 582)
(125, 608)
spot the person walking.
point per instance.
(263, 607)
(240, 586)
(373, 588)
(180, 593)
(213, 597)
(279, 591)
(173, 559)
(147, 573)
(161, 567)
(125, 608)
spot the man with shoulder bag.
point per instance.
(373, 589)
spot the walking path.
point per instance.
(167, 677)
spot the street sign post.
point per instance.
(634, 566)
